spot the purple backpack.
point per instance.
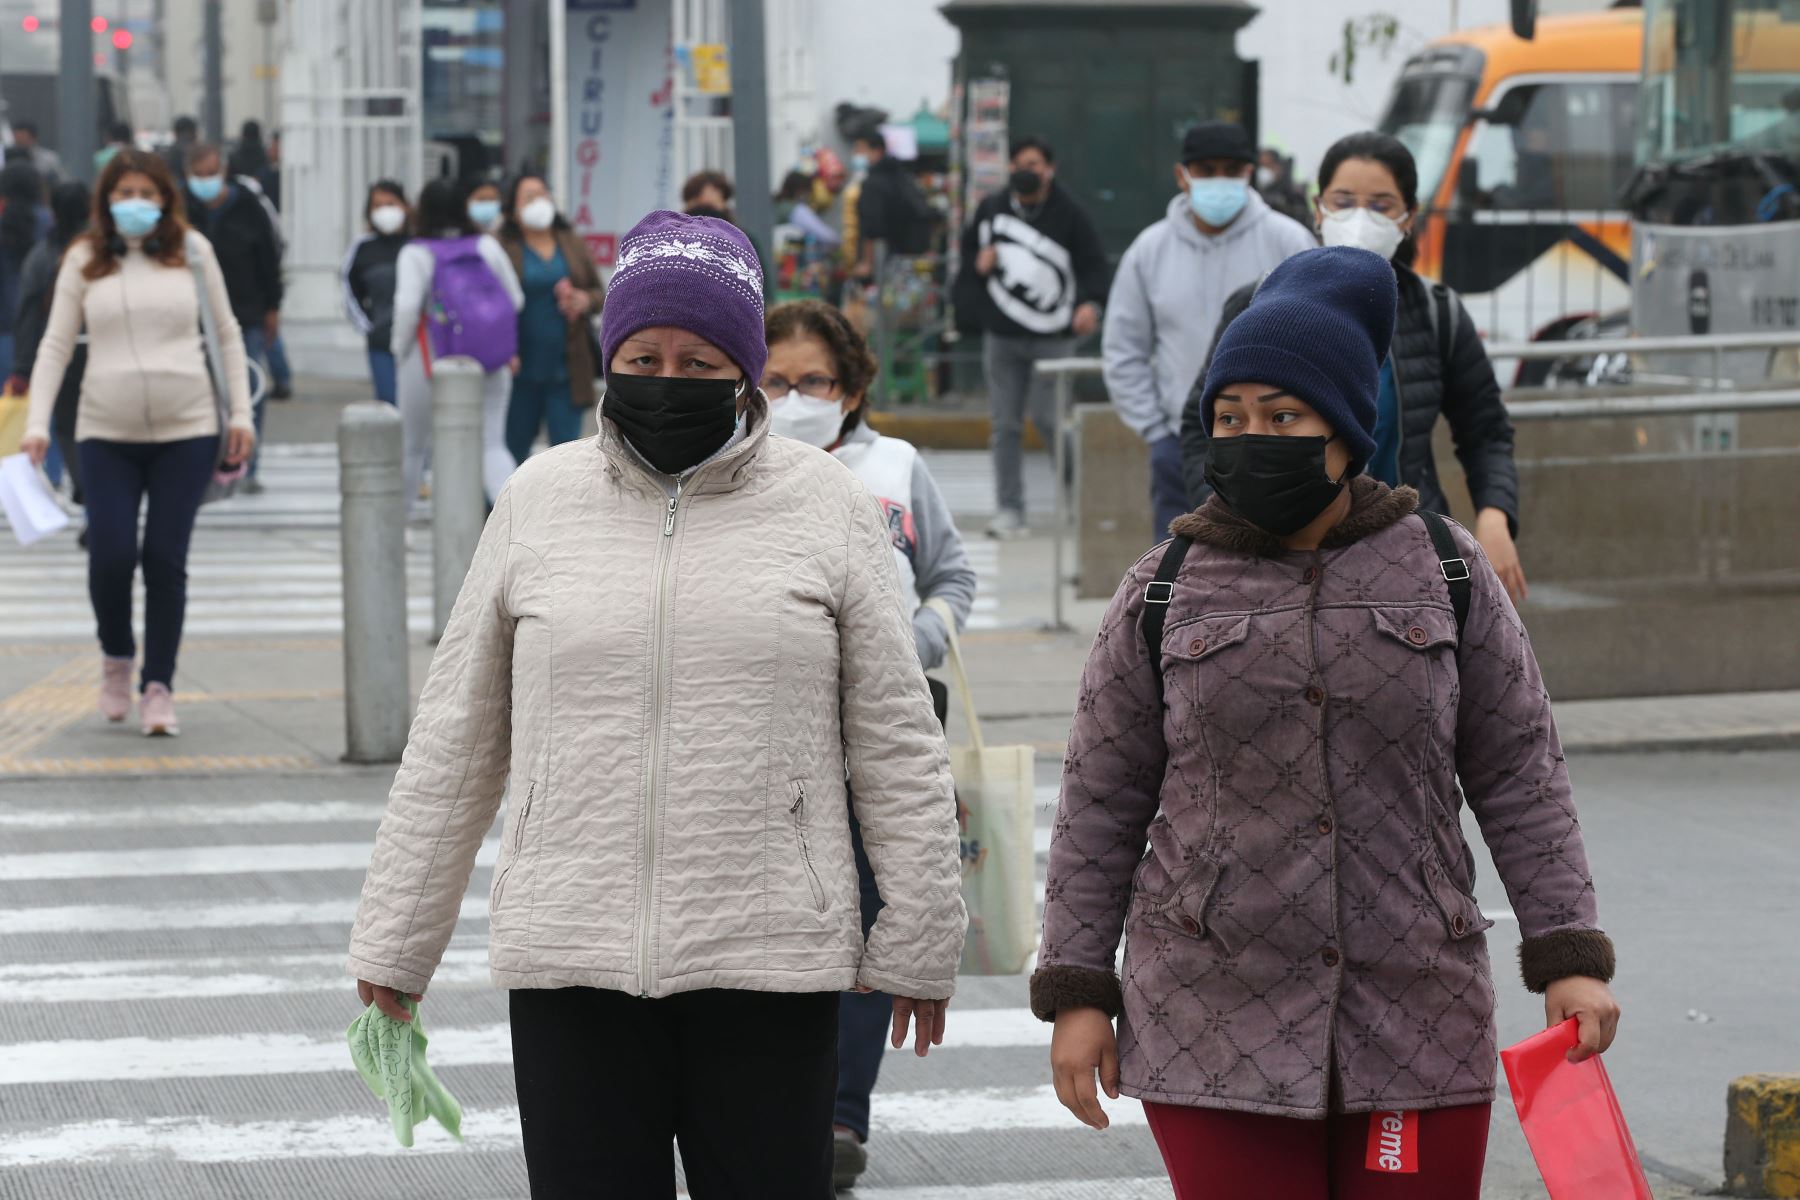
(469, 312)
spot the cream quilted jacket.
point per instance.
(673, 688)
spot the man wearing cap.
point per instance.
(1217, 235)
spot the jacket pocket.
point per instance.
(1461, 914)
(797, 789)
(1417, 627)
(514, 846)
(1195, 641)
(1175, 886)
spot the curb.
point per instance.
(943, 430)
(1762, 1136)
(1736, 742)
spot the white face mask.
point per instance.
(806, 419)
(539, 214)
(388, 218)
(1363, 229)
(1265, 176)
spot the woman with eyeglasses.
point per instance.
(1369, 198)
(817, 381)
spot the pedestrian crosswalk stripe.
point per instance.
(165, 816)
(201, 860)
(132, 981)
(365, 1134)
(144, 918)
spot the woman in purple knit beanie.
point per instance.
(681, 652)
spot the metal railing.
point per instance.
(1720, 402)
(1715, 346)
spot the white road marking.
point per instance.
(164, 816)
(128, 918)
(201, 860)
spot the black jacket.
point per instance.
(249, 254)
(893, 209)
(1051, 262)
(370, 273)
(1461, 386)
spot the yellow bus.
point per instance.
(1523, 149)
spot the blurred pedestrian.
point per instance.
(1171, 285)
(147, 422)
(817, 384)
(1368, 197)
(1035, 275)
(674, 642)
(485, 206)
(24, 222)
(1287, 705)
(371, 269)
(454, 268)
(1276, 184)
(47, 161)
(250, 157)
(70, 204)
(248, 248)
(118, 137)
(798, 204)
(563, 295)
(187, 136)
(709, 193)
(890, 207)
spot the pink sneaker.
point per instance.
(157, 711)
(115, 687)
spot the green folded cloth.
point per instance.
(390, 1057)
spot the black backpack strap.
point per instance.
(1446, 324)
(1454, 566)
(1157, 595)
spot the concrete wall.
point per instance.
(248, 96)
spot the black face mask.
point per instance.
(674, 423)
(1279, 484)
(1026, 183)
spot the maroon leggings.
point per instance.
(1217, 1155)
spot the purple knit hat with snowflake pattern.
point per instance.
(695, 273)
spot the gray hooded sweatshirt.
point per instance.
(1166, 300)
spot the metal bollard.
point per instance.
(376, 693)
(458, 501)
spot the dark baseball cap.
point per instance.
(1217, 139)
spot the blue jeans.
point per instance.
(864, 1019)
(382, 373)
(1168, 491)
(256, 346)
(281, 376)
(535, 403)
(116, 478)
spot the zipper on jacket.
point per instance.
(806, 859)
(518, 845)
(658, 631)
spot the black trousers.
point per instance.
(744, 1081)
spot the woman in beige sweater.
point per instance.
(147, 425)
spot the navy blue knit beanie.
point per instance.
(1319, 326)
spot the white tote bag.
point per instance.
(994, 791)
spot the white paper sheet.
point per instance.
(25, 496)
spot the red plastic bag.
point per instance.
(1572, 1120)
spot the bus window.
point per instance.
(1426, 114)
(1564, 146)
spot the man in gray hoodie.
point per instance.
(1172, 285)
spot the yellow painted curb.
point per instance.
(1762, 1137)
(943, 430)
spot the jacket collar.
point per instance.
(725, 472)
(1373, 507)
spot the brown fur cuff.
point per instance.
(1544, 960)
(1056, 988)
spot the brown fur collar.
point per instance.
(1373, 507)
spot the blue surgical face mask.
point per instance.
(484, 212)
(135, 218)
(1218, 201)
(206, 188)
(859, 163)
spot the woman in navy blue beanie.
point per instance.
(1281, 716)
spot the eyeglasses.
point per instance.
(819, 387)
(1384, 206)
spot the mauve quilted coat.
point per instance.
(673, 690)
(1302, 920)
